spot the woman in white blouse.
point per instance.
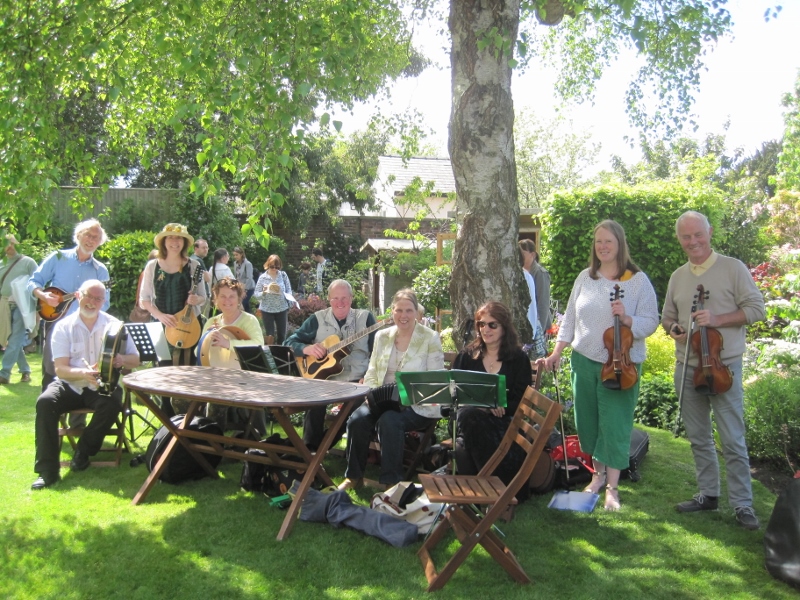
(406, 346)
(604, 417)
(220, 269)
(272, 290)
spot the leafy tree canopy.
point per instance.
(789, 162)
(669, 40)
(252, 76)
(549, 157)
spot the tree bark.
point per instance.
(486, 262)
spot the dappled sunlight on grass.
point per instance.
(209, 539)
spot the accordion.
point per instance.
(383, 398)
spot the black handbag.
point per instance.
(782, 538)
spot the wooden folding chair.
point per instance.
(117, 431)
(464, 493)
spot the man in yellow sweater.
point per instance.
(733, 302)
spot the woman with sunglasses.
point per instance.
(496, 349)
(604, 417)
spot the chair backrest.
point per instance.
(530, 428)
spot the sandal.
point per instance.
(612, 499)
(596, 478)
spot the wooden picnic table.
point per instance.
(280, 394)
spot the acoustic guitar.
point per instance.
(116, 335)
(336, 351)
(187, 332)
(54, 313)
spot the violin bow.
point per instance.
(677, 430)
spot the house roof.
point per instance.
(394, 176)
(375, 245)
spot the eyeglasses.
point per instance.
(96, 299)
(490, 325)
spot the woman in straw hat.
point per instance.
(167, 281)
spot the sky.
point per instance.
(747, 75)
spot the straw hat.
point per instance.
(173, 229)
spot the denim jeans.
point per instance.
(14, 353)
(391, 428)
(275, 321)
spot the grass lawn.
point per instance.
(208, 539)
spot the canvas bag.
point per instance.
(408, 502)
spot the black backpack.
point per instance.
(270, 480)
(182, 465)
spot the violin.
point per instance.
(711, 377)
(619, 373)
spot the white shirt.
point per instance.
(73, 340)
(533, 315)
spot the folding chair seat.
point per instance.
(530, 427)
(117, 432)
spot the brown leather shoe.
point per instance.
(26, 378)
(4, 380)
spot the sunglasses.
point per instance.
(492, 325)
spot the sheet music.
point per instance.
(156, 331)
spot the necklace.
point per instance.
(491, 365)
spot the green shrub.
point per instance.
(433, 287)
(660, 354)
(647, 212)
(772, 417)
(308, 307)
(769, 355)
(658, 403)
(125, 256)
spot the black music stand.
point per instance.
(454, 388)
(140, 335)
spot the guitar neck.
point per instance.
(358, 336)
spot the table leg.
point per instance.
(314, 467)
(163, 460)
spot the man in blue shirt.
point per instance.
(67, 270)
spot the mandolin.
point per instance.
(336, 351)
(54, 313)
(116, 335)
(187, 332)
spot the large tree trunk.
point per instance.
(486, 261)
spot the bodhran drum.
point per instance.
(217, 356)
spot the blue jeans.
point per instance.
(246, 301)
(391, 428)
(728, 411)
(14, 353)
(275, 321)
